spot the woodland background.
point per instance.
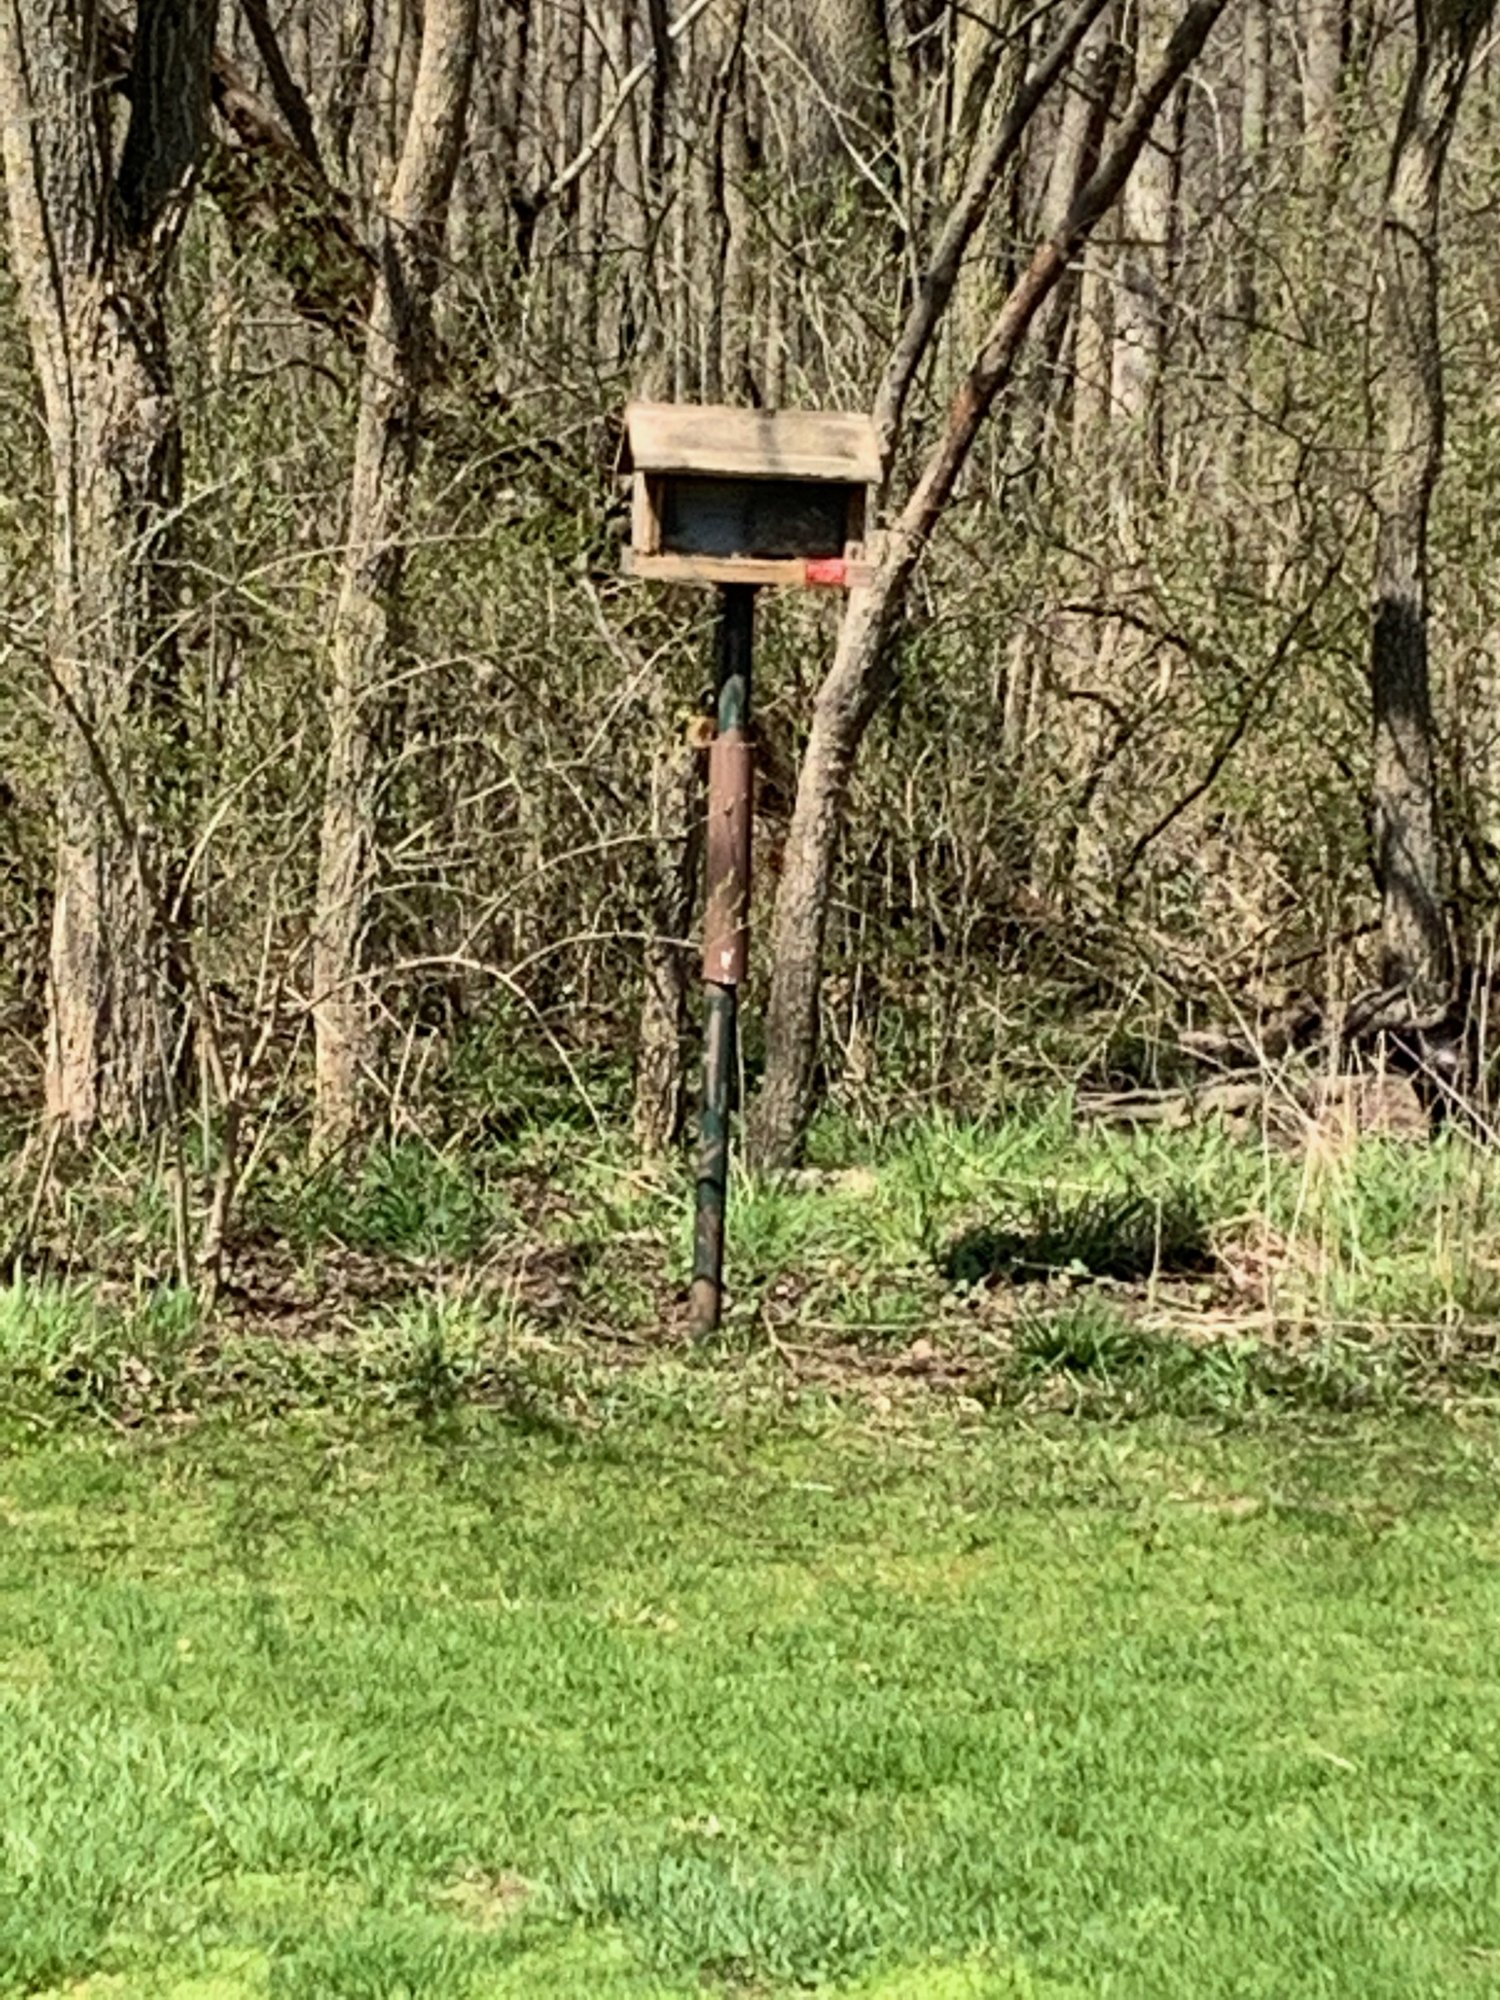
(347, 786)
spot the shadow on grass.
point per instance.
(1121, 1233)
(1088, 1356)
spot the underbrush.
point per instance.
(1033, 1261)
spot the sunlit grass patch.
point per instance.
(764, 1706)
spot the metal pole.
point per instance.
(726, 939)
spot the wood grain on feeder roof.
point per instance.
(832, 445)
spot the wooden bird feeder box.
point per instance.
(749, 496)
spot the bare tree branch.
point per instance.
(290, 101)
(964, 218)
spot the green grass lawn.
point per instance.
(748, 1701)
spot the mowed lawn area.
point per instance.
(769, 1702)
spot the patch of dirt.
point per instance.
(485, 1901)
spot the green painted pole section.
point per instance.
(736, 643)
(736, 639)
(713, 1158)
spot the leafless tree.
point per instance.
(366, 648)
(94, 230)
(860, 676)
(1409, 457)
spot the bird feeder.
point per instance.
(739, 498)
(749, 496)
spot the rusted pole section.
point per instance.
(726, 939)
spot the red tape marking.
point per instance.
(827, 569)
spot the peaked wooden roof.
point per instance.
(712, 439)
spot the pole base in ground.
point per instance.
(704, 1305)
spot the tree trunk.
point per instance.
(981, 39)
(859, 677)
(1322, 23)
(1255, 126)
(93, 245)
(845, 100)
(1409, 454)
(1140, 306)
(738, 320)
(366, 638)
(356, 42)
(1092, 348)
(1075, 154)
